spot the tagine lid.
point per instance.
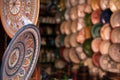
(15, 13)
(21, 55)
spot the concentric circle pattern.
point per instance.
(21, 55)
(14, 13)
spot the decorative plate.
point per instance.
(96, 58)
(95, 16)
(73, 56)
(114, 52)
(115, 19)
(104, 46)
(21, 55)
(66, 54)
(105, 31)
(14, 12)
(67, 41)
(114, 5)
(105, 16)
(115, 35)
(95, 44)
(95, 4)
(109, 65)
(95, 31)
(104, 4)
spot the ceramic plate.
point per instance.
(14, 14)
(21, 55)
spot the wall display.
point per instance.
(13, 14)
(21, 55)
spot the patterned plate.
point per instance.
(21, 55)
(114, 52)
(109, 65)
(13, 13)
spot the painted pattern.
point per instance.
(21, 55)
(13, 13)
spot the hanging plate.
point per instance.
(21, 55)
(114, 52)
(15, 12)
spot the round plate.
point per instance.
(95, 16)
(74, 25)
(87, 47)
(95, 31)
(114, 52)
(105, 32)
(21, 55)
(104, 4)
(114, 5)
(67, 41)
(66, 54)
(104, 46)
(96, 58)
(81, 8)
(95, 4)
(115, 35)
(81, 36)
(73, 56)
(15, 12)
(95, 44)
(115, 19)
(73, 13)
(105, 16)
(108, 65)
(73, 40)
